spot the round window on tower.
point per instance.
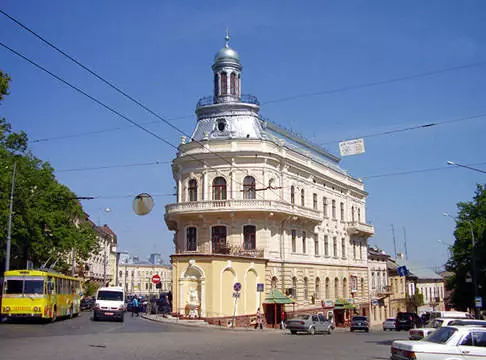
(221, 124)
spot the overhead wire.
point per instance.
(107, 107)
(114, 166)
(330, 91)
(416, 171)
(116, 88)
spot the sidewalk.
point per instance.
(203, 324)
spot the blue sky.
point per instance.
(162, 52)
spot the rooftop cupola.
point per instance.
(227, 74)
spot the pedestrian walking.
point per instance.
(282, 320)
(259, 320)
(135, 306)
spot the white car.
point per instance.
(457, 342)
(420, 333)
(389, 324)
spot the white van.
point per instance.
(110, 304)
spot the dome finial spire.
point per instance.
(227, 38)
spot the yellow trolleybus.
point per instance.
(40, 294)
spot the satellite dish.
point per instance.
(143, 204)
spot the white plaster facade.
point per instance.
(137, 278)
(306, 214)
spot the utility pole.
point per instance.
(394, 240)
(9, 229)
(405, 243)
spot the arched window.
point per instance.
(192, 190)
(219, 189)
(233, 83)
(249, 191)
(218, 239)
(336, 288)
(191, 239)
(274, 282)
(324, 206)
(294, 287)
(249, 234)
(224, 83)
(359, 215)
(314, 201)
(352, 213)
(318, 288)
(306, 291)
(292, 195)
(302, 197)
(327, 294)
(333, 209)
(345, 288)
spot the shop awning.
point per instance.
(343, 304)
(276, 297)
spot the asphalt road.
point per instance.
(138, 338)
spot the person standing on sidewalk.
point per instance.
(259, 319)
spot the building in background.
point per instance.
(155, 258)
(262, 207)
(101, 265)
(380, 289)
(398, 287)
(137, 278)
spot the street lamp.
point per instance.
(465, 166)
(9, 226)
(473, 255)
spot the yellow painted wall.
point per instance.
(218, 275)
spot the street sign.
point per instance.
(402, 271)
(236, 294)
(260, 287)
(478, 300)
(351, 147)
(237, 286)
(156, 279)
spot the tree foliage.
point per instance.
(471, 216)
(48, 221)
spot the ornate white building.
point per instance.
(258, 204)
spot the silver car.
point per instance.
(389, 324)
(311, 324)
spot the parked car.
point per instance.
(359, 323)
(433, 325)
(448, 342)
(407, 321)
(389, 324)
(311, 324)
(87, 304)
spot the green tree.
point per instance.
(471, 214)
(48, 221)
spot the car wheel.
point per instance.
(367, 330)
(312, 331)
(351, 329)
(293, 332)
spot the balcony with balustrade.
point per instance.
(174, 211)
(360, 229)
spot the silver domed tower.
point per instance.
(227, 74)
(228, 114)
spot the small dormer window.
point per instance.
(221, 124)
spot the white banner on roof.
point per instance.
(351, 147)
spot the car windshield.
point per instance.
(441, 335)
(359, 318)
(302, 317)
(110, 295)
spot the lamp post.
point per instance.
(106, 210)
(465, 166)
(9, 228)
(473, 261)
